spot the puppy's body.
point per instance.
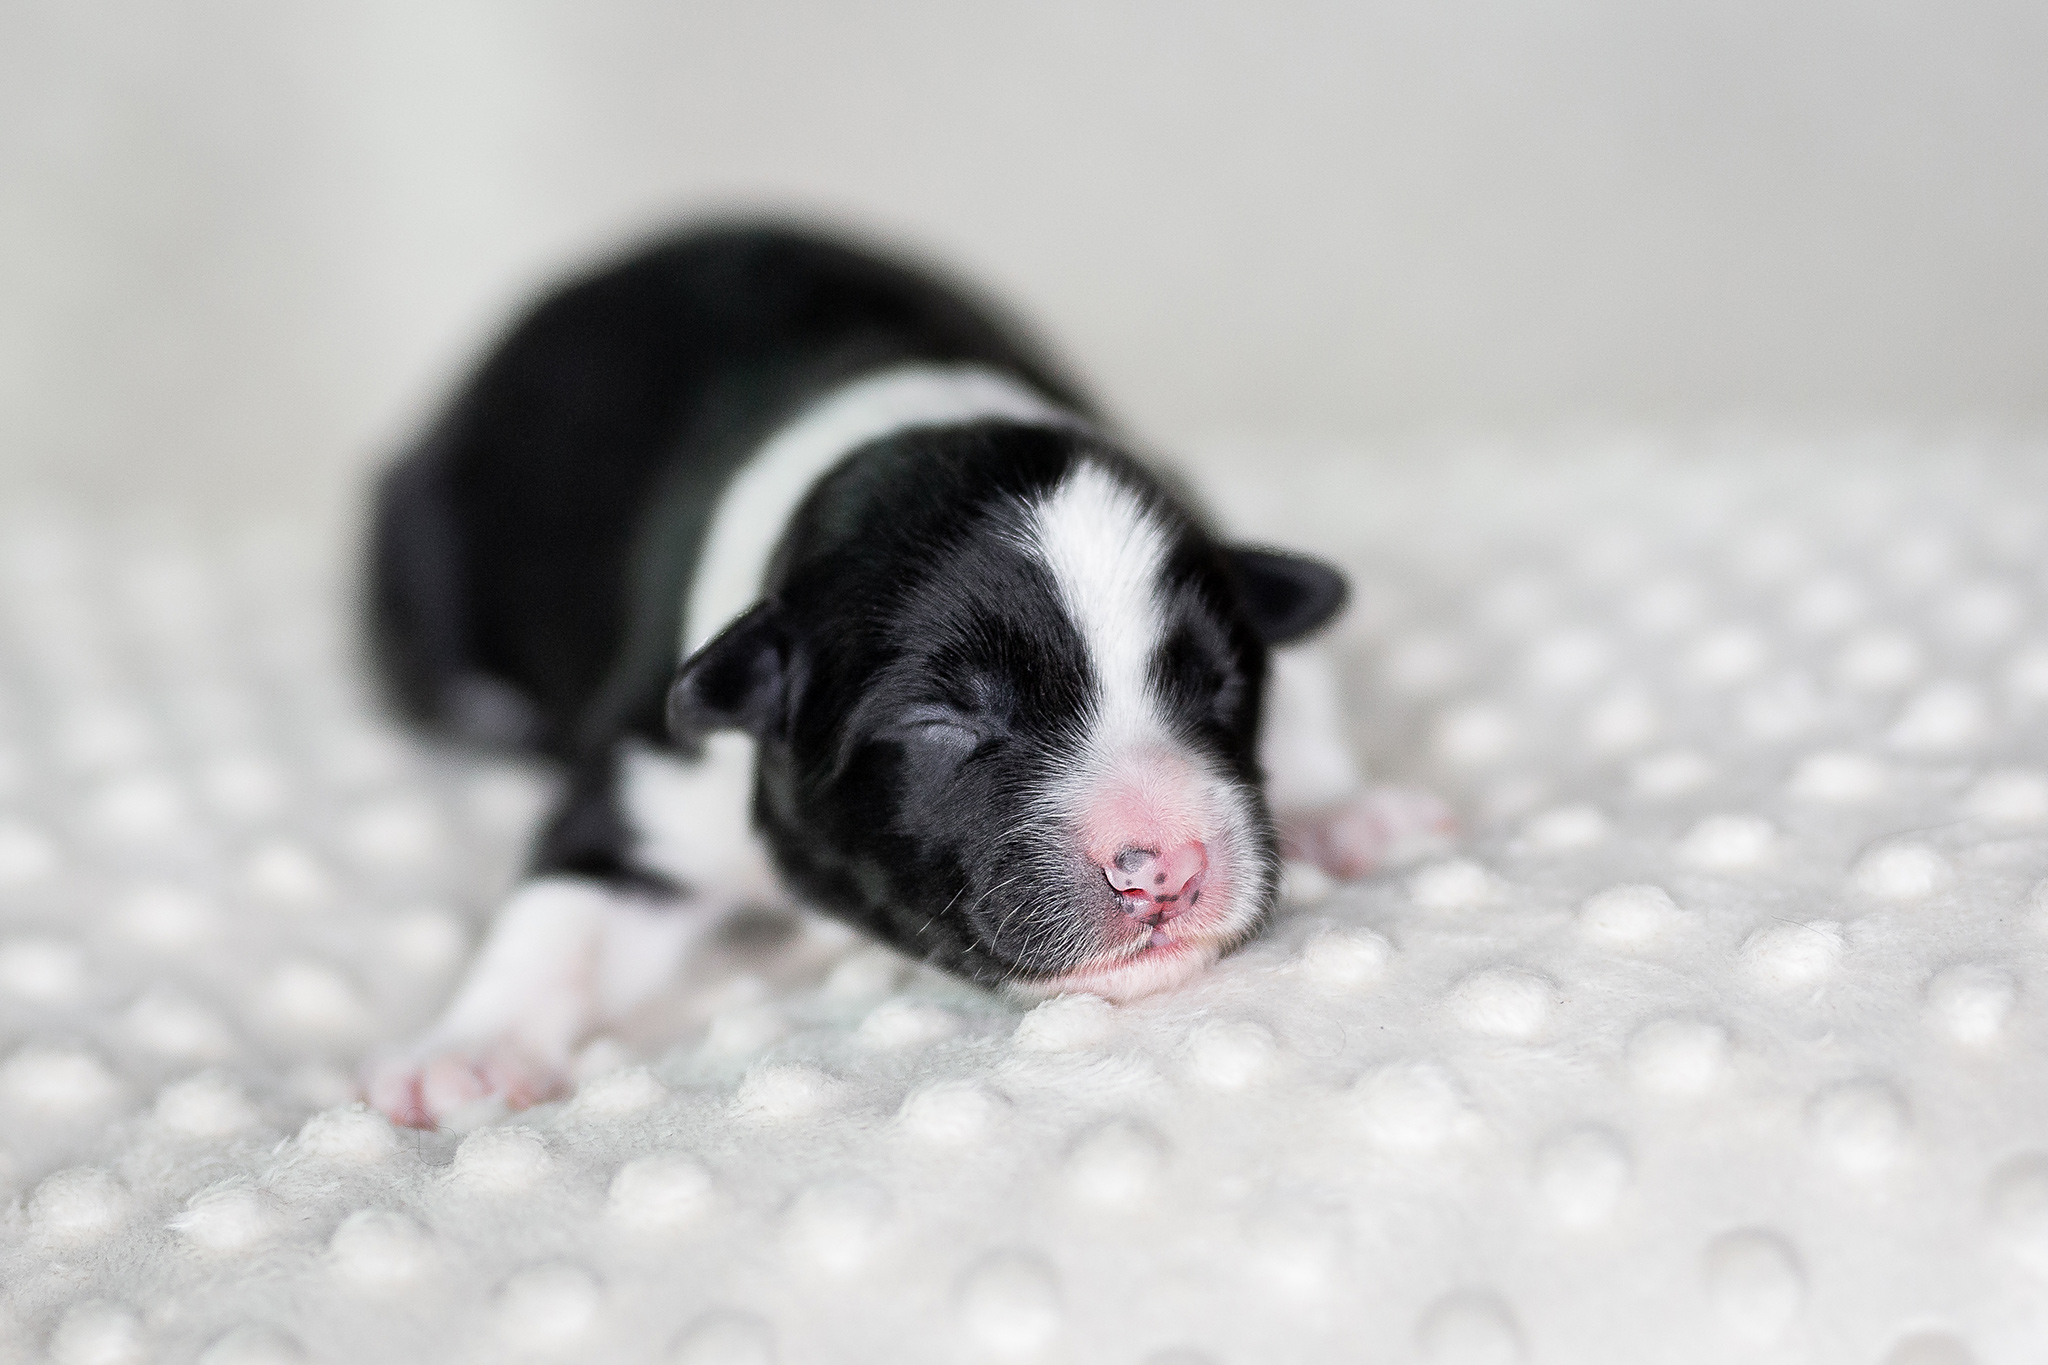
(955, 666)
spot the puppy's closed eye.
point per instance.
(943, 728)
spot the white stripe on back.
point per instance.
(756, 507)
(1106, 551)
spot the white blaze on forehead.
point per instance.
(1107, 551)
(1133, 781)
(755, 509)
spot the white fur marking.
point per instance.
(1106, 552)
(1301, 744)
(693, 821)
(757, 505)
(639, 952)
(532, 979)
(565, 955)
(566, 952)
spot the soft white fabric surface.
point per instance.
(1719, 1037)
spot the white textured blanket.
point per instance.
(1723, 1034)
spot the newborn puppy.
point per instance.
(826, 584)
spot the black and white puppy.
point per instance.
(955, 666)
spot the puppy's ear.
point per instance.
(739, 681)
(1288, 596)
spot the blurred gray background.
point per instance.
(243, 246)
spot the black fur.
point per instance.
(909, 674)
(1288, 596)
(541, 539)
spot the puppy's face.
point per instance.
(1007, 693)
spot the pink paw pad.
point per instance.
(424, 1090)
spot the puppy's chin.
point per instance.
(1131, 977)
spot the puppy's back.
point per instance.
(531, 554)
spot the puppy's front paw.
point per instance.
(427, 1086)
(1377, 828)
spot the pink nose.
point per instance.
(1157, 884)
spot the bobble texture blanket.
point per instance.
(1720, 1033)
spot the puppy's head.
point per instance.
(1006, 690)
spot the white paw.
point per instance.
(437, 1085)
(1379, 827)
